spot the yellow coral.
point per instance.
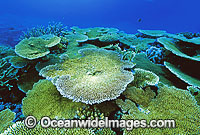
(96, 77)
(36, 47)
(45, 100)
(170, 103)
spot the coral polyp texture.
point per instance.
(170, 103)
(96, 77)
(36, 47)
(45, 100)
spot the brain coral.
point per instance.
(36, 47)
(96, 77)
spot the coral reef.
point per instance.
(45, 100)
(84, 79)
(55, 28)
(143, 78)
(153, 33)
(36, 47)
(170, 103)
(6, 118)
(139, 96)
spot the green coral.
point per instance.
(109, 37)
(153, 33)
(7, 73)
(195, 92)
(139, 44)
(45, 100)
(6, 118)
(144, 78)
(139, 96)
(175, 48)
(36, 47)
(18, 62)
(165, 76)
(183, 76)
(19, 128)
(170, 103)
(26, 80)
(94, 78)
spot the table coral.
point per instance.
(19, 128)
(35, 47)
(45, 100)
(96, 77)
(175, 48)
(183, 76)
(6, 118)
(170, 103)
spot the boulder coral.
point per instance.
(96, 77)
(36, 47)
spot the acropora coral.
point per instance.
(83, 80)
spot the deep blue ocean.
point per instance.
(127, 15)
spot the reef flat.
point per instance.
(87, 73)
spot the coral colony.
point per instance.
(82, 73)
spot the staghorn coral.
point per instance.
(84, 79)
(55, 28)
(6, 118)
(143, 78)
(7, 73)
(170, 103)
(6, 51)
(155, 54)
(45, 100)
(36, 47)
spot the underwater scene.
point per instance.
(98, 67)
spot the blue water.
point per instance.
(170, 15)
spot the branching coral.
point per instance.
(7, 73)
(96, 77)
(53, 28)
(36, 47)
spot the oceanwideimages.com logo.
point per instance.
(46, 122)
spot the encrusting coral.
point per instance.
(45, 100)
(36, 47)
(96, 77)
